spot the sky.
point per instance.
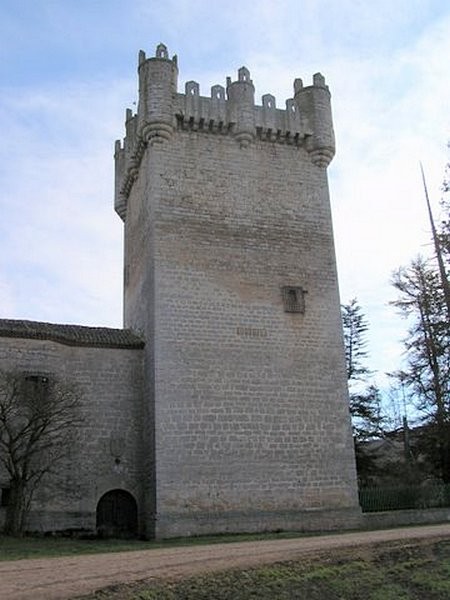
(68, 72)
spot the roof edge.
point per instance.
(71, 335)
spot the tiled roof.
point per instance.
(71, 335)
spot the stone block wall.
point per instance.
(107, 451)
(229, 242)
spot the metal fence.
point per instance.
(373, 499)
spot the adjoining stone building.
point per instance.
(106, 364)
(222, 405)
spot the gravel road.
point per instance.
(67, 577)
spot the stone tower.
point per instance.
(230, 275)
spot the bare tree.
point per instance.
(39, 417)
(437, 241)
(426, 375)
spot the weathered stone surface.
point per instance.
(110, 381)
(249, 409)
(234, 415)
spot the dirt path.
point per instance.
(62, 578)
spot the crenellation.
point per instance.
(217, 109)
(295, 126)
(249, 403)
(229, 411)
(130, 140)
(319, 80)
(218, 93)
(269, 103)
(230, 110)
(193, 104)
(298, 85)
(192, 88)
(120, 198)
(161, 51)
(244, 76)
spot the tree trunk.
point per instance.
(16, 510)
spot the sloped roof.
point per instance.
(71, 335)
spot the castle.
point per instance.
(222, 405)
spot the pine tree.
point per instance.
(365, 397)
(426, 374)
(355, 328)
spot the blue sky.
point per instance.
(68, 72)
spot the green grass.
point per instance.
(39, 547)
(385, 573)
(12, 548)
(398, 571)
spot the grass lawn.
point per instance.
(419, 572)
(397, 571)
(41, 547)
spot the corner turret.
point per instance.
(154, 122)
(231, 111)
(158, 78)
(314, 105)
(230, 278)
(241, 98)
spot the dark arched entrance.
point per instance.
(117, 514)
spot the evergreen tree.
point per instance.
(365, 397)
(444, 233)
(424, 299)
(426, 374)
(355, 328)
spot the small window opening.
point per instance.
(37, 379)
(36, 382)
(5, 496)
(294, 299)
(36, 387)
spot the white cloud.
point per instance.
(386, 64)
(384, 130)
(61, 249)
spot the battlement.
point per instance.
(228, 110)
(219, 114)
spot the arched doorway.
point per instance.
(117, 514)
